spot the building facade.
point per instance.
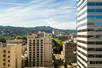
(89, 33)
(10, 56)
(69, 53)
(39, 51)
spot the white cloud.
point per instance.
(63, 25)
(50, 21)
(35, 14)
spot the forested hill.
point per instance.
(9, 30)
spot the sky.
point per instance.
(30, 13)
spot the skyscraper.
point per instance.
(89, 27)
(39, 51)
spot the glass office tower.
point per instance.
(89, 33)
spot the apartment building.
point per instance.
(39, 50)
(10, 56)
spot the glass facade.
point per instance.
(94, 10)
(94, 3)
(89, 33)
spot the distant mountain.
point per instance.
(9, 30)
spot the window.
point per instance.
(41, 41)
(4, 63)
(33, 64)
(8, 51)
(91, 56)
(4, 59)
(99, 42)
(94, 3)
(94, 16)
(4, 55)
(8, 65)
(8, 56)
(94, 10)
(95, 62)
(98, 36)
(98, 23)
(4, 51)
(33, 41)
(84, 30)
(30, 45)
(8, 60)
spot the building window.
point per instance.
(4, 51)
(8, 60)
(8, 56)
(4, 59)
(37, 64)
(8, 51)
(33, 64)
(8, 65)
(33, 40)
(37, 56)
(4, 64)
(30, 59)
(41, 41)
(95, 62)
(30, 45)
(4, 55)
(94, 10)
(94, 3)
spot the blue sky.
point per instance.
(30, 13)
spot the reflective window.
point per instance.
(93, 16)
(94, 10)
(94, 3)
(98, 23)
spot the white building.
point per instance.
(89, 27)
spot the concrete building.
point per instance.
(39, 50)
(10, 56)
(68, 53)
(14, 42)
(89, 32)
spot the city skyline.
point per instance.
(30, 13)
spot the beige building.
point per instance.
(14, 42)
(39, 51)
(10, 56)
(68, 53)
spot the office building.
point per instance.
(39, 50)
(10, 56)
(89, 27)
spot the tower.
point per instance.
(89, 33)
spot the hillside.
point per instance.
(9, 30)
